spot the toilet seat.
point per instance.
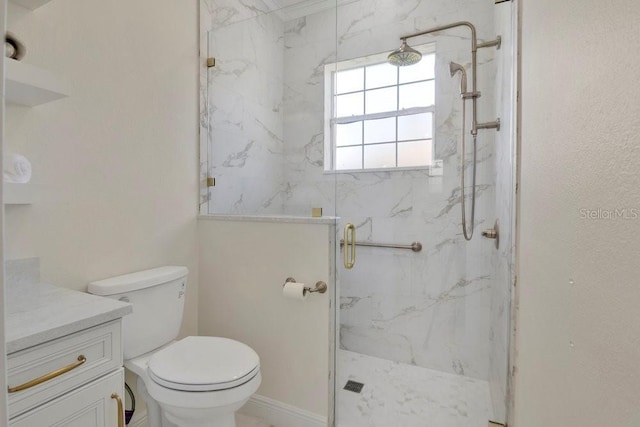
(204, 364)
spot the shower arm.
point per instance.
(474, 95)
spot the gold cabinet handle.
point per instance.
(349, 246)
(49, 376)
(120, 409)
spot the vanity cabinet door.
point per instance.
(100, 347)
(89, 406)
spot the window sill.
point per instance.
(434, 170)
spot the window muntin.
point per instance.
(380, 116)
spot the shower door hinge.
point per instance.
(211, 182)
(211, 62)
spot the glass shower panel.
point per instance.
(246, 123)
(265, 106)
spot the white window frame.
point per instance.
(329, 111)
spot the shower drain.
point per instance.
(353, 386)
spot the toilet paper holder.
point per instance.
(321, 286)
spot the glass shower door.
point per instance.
(419, 307)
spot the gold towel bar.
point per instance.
(415, 246)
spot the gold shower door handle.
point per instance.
(120, 409)
(349, 246)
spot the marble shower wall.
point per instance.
(429, 309)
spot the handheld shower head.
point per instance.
(455, 69)
(405, 55)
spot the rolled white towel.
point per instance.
(16, 168)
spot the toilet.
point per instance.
(196, 381)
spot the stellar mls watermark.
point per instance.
(610, 214)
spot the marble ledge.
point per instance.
(270, 218)
(39, 312)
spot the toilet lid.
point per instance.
(204, 364)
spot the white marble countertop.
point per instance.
(36, 313)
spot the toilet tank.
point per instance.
(157, 296)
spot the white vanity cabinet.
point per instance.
(89, 406)
(64, 353)
(74, 380)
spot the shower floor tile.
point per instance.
(396, 394)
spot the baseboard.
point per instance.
(280, 414)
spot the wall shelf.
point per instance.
(28, 85)
(30, 4)
(17, 194)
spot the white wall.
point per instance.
(578, 344)
(242, 299)
(115, 164)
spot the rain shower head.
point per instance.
(405, 55)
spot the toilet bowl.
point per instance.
(197, 381)
(193, 382)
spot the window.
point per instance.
(379, 116)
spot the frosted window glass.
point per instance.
(415, 126)
(382, 130)
(349, 134)
(349, 80)
(348, 158)
(417, 95)
(415, 153)
(423, 70)
(349, 105)
(381, 75)
(380, 156)
(381, 100)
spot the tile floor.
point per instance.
(397, 394)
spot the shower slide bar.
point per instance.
(415, 246)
